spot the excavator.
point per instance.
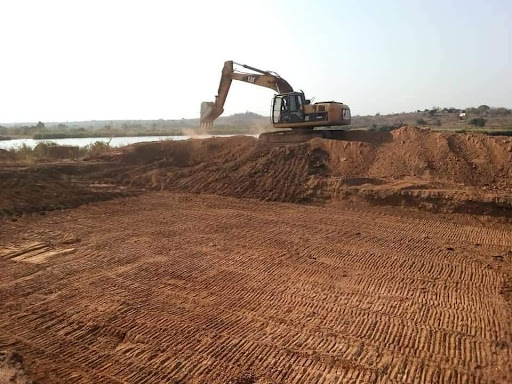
(290, 109)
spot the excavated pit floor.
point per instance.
(188, 288)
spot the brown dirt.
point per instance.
(12, 370)
(462, 159)
(63, 152)
(184, 288)
(40, 188)
(439, 172)
(409, 166)
(197, 288)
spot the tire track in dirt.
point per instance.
(196, 289)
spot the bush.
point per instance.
(386, 127)
(477, 122)
(21, 152)
(41, 149)
(97, 148)
(421, 122)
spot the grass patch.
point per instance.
(41, 152)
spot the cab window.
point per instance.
(279, 106)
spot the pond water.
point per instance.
(114, 142)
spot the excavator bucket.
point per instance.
(208, 114)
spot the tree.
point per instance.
(477, 122)
(500, 111)
(40, 125)
(483, 109)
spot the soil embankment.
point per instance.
(41, 188)
(439, 172)
(469, 173)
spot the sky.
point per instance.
(78, 60)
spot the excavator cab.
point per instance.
(288, 108)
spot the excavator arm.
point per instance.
(211, 110)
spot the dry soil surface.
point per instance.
(439, 172)
(187, 288)
(432, 171)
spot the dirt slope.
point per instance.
(397, 162)
(39, 188)
(467, 173)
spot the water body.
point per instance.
(115, 141)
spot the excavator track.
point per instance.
(297, 136)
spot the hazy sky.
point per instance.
(80, 60)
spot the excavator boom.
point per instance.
(212, 110)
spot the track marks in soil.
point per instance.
(196, 289)
(33, 252)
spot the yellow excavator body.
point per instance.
(290, 109)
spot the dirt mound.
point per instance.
(403, 167)
(229, 166)
(47, 187)
(321, 168)
(187, 152)
(470, 159)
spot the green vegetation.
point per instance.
(25, 153)
(41, 149)
(88, 133)
(484, 119)
(385, 128)
(477, 122)
(98, 148)
(240, 123)
(437, 118)
(21, 153)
